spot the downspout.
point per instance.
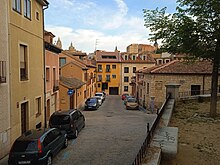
(44, 65)
(76, 97)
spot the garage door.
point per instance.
(113, 90)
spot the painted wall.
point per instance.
(29, 33)
(4, 87)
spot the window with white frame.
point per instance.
(16, 5)
(2, 71)
(125, 88)
(23, 63)
(38, 106)
(27, 8)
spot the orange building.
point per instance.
(78, 76)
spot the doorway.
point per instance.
(24, 117)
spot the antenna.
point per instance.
(96, 43)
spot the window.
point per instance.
(114, 76)
(2, 71)
(126, 69)
(27, 8)
(147, 88)
(62, 61)
(113, 66)
(38, 106)
(99, 78)
(47, 74)
(16, 5)
(126, 57)
(85, 76)
(134, 57)
(37, 15)
(126, 79)
(108, 77)
(125, 88)
(144, 57)
(84, 94)
(23, 63)
(107, 68)
(134, 69)
(99, 85)
(99, 68)
(195, 90)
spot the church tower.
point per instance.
(59, 43)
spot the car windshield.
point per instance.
(24, 146)
(132, 100)
(60, 119)
(91, 100)
(98, 94)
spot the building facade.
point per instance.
(130, 63)
(4, 81)
(26, 47)
(108, 67)
(52, 74)
(83, 73)
(193, 78)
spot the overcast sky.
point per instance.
(101, 24)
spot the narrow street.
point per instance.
(112, 135)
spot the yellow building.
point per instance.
(26, 65)
(4, 81)
(108, 72)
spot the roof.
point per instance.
(103, 56)
(71, 82)
(181, 67)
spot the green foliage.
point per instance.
(194, 29)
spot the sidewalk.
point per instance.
(4, 161)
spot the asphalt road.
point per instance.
(112, 136)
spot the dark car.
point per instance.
(92, 104)
(37, 146)
(72, 121)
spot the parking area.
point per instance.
(112, 135)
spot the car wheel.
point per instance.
(65, 143)
(49, 160)
(76, 133)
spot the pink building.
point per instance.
(52, 74)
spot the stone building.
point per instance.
(194, 78)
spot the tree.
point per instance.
(194, 29)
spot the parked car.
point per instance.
(100, 94)
(132, 103)
(123, 96)
(72, 121)
(126, 98)
(37, 146)
(92, 104)
(104, 94)
(99, 100)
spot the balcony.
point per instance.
(56, 86)
(99, 70)
(107, 79)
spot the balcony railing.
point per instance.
(56, 86)
(2, 79)
(108, 80)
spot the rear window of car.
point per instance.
(92, 100)
(132, 100)
(24, 146)
(60, 119)
(98, 94)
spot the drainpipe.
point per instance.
(44, 65)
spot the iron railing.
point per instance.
(143, 150)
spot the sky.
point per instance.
(101, 24)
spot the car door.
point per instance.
(81, 119)
(58, 140)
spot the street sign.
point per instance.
(70, 92)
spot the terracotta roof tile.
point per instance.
(182, 67)
(71, 82)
